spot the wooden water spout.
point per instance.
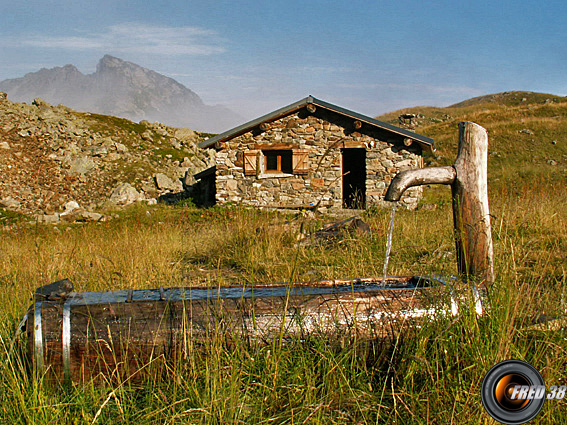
(468, 180)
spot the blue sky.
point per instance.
(256, 56)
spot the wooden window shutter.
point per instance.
(300, 161)
(250, 162)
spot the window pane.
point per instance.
(279, 160)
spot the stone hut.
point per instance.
(311, 154)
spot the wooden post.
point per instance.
(468, 179)
(471, 216)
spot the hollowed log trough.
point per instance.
(117, 334)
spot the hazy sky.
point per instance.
(256, 56)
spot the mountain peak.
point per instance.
(70, 68)
(111, 63)
(123, 89)
(108, 60)
(108, 57)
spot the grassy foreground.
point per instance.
(431, 376)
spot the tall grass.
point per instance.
(432, 375)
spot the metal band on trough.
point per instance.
(38, 336)
(66, 340)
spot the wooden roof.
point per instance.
(426, 142)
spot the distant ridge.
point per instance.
(494, 100)
(507, 98)
(122, 89)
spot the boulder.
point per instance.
(81, 165)
(186, 163)
(125, 194)
(71, 206)
(189, 179)
(72, 211)
(48, 218)
(9, 203)
(337, 231)
(163, 182)
(99, 151)
(120, 147)
(39, 102)
(185, 134)
(147, 136)
(176, 144)
(89, 216)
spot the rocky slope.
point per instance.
(58, 163)
(122, 89)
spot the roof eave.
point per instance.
(241, 129)
(424, 141)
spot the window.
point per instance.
(278, 161)
(275, 162)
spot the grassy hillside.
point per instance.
(527, 134)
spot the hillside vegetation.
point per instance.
(527, 134)
(53, 155)
(432, 375)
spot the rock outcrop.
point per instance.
(56, 162)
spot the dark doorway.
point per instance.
(354, 178)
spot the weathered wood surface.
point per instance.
(101, 334)
(468, 178)
(470, 204)
(419, 177)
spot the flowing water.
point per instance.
(389, 242)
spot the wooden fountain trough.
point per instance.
(116, 333)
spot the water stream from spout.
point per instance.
(389, 243)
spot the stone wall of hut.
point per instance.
(316, 141)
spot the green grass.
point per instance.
(432, 375)
(9, 217)
(108, 123)
(163, 150)
(513, 155)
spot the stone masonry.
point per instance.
(316, 141)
